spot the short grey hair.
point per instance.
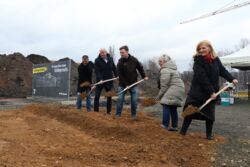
(165, 57)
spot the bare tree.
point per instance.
(112, 52)
(190, 65)
(224, 52)
(152, 70)
(242, 44)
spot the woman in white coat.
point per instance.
(171, 93)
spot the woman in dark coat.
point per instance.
(207, 69)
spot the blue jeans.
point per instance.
(121, 97)
(98, 92)
(167, 112)
(79, 101)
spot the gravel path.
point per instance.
(233, 123)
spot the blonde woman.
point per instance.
(171, 92)
(207, 69)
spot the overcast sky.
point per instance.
(71, 28)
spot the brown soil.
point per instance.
(146, 102)
(53, 135)
(189, 111)
(110, 94)
(83, 95)
(85, 85)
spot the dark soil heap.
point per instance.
(38, 59)
(16, 74)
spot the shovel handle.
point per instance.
(131, 86)
(108, 80)
(219, 92)
(101, 82)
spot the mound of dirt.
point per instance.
(16, 73)
(38, 59)
(62, 136)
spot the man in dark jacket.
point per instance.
(84, 76)
(104, 69)
(127, 72)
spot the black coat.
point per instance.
(206, 82)
(84, 74)
(127, 70)
(105, 70)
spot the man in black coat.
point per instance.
(85, 70)
(104, 69)
(127, 72)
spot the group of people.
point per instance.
(207, 69)
(105, 68)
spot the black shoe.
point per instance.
(183, 133)
(173, 129)
(133, 117)
(185, 125)
(210, 137)
(209, 130)
(183, 130)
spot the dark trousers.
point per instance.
(98, 92)
(170, 111)
(187, 121)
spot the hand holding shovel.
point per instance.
(101, 82)
(193, 109)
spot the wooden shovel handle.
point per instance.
(210, 99)
(131, 86)
(108, 80)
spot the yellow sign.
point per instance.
(39, 70)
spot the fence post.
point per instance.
(69, 80)
(248, 86)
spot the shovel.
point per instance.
(190, 110)
(130, 86)
(101, 82)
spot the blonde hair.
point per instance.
(207, 43)
(164, 57)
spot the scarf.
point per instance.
(209, 58)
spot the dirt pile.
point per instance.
(38, 59)
(54, 135)
(16, 73)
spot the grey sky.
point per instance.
(71, 28)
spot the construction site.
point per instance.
(46, 120)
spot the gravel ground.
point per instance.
(233, 123)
